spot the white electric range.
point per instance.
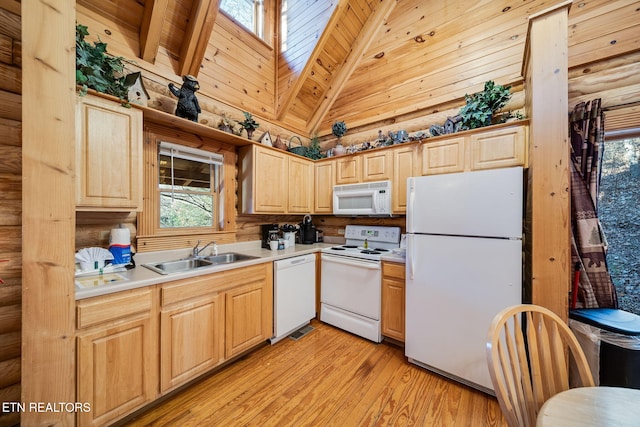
(351, 279)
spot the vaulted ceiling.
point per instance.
(361, 61)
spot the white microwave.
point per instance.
(368, 198)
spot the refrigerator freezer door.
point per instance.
(484, 203)
(458, 285)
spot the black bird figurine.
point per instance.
(188, 106)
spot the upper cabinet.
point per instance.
(325, 179)
(348, 169)
(108, 155)
(264, 174)
(498, 147)
(377, 165)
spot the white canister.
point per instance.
(289, 238)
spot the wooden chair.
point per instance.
(528, 360)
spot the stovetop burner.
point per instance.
(370, 252)
(338, 248)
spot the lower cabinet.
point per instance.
(134, 346)
(393, 300)
(191, 332)
(117, 363)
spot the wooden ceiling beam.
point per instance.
(306, 71)
(197, 34)
(361, 44)
(151, 28)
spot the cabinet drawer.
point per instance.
(393, 269)
(185, 289)
(101, 309)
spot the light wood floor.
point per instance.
(327, 378)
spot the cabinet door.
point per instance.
(300, 177)
(270, 181)
(108, 155)
(116, 370)
(404, 166)
(324, 182)
(348, 170)
(191, 339)
(499, 148)
(376, 166)
(248, 316)
(393, 300)
(443, 156)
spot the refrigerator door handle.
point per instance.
(410, 257)
(410, 203)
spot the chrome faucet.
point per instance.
(197, 250)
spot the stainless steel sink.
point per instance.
(228, 257)
(168, 267)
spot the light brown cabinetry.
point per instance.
(348, 169)
(300, 175)
(108, 155)
(191, 330)
(377, 165)
(248, 308)
(325, 178)
(117, 363)
(404, 163)
(500, 147)
(393, 300)
(264, 174)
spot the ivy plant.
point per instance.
(96, 69)
(480, 107)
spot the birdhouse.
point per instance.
(265, 139)
(137, 93)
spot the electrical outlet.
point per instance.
(104, 235)
(341, 231)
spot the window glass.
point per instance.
(187, 183)
(248, 13)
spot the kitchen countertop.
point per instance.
(392, 257)
(141, 276)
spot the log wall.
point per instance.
(10, 207)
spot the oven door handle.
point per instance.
(372, 265)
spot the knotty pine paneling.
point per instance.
(10, 208)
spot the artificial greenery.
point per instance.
(480, 107)
(313, 150)
(339, 129)
(249, 123)
(96, 69)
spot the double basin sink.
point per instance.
(188, 264)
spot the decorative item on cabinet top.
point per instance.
(188, 106)
(249, 124)
(339, 128)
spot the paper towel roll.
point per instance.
(120, 236)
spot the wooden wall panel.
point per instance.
(10, 208)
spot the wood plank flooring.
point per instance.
(327, 378)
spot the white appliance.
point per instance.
(351, 280)
(369, 198)
(463, 265)
(294, 294)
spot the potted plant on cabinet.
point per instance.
(249, 124)
(481, 107)
(338, 129)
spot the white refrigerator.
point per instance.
(463, 265)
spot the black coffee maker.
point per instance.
(307, 233)
(268, 230)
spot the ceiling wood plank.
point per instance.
(300, 80)
(197, 34)
(373, 24)
(151, 28)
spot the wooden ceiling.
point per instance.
(361, 61)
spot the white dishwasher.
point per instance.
(294, 294)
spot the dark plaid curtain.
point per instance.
(588, 251)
